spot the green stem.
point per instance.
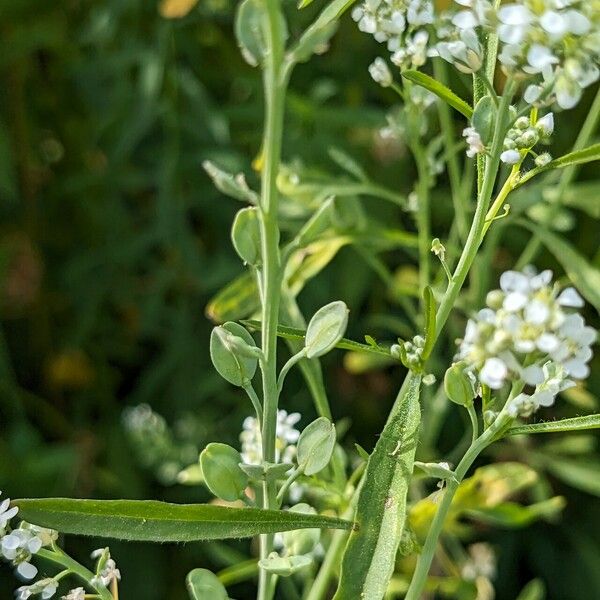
(474, 422)
(60, 558)
(567, 176)
(419, 578)
(275, 84)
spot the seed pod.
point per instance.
(484, 118)
(315, 446)
(222, 473)
(245, 235)
(284, 566)
(458, 385)
(204, 585)
(232, 350)
(301, 541)
(326, 329)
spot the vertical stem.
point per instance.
(275, 85)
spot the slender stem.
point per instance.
(498, 203)
(274, 89)
(286, 368)
(419, 578)
(288, 482)
(255, 401)
(474, 422)
(60, 558)
(567, 176)
(440, 70)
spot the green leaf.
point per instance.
(202, 584)
(430, 322)
(250, 25)
(370, 554)
(582, 473)
(534, 590)
(153, 521)
(579, 157)
(574, 424)
(346, 162)
(440, 90)
(233, 186)
(511, 514)
(585, 277)
(583, 196)
(235, 301)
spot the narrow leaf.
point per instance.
(440, 90)
(585, 277)
(579, 157)
(370, 554)
(153, 521)
(575, 424)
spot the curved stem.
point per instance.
(474, 422)
(286, 368)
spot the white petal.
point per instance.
(554, 23)
(545, 277)
(513, 281)
(515, 14)
(537, 312)
(532, 375)
(547, 342)
(576, 368)
(510, 157)
(465, 19)
(26, 570)
(514, 301)
(544, 398)
(493, 373)
(570, 297)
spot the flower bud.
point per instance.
(380, 72)
(326, 329)
(301, 541)
(458, 385)
(543, 159)
(545, 125)
(222, 473)
(233, 353)
(315, 446)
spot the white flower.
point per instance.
(6, 512)
(474, 142)
(510, 157)
(481, 563)
(493, 373)
(107, 574)
(26, 570)
(75, 594)
(545, 125)
(46, 588)
(381, 73)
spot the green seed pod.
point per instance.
(222, 473)
(245, 235)
(326, 329)
(484, 118)
(204, 585)
(315, 446)
(233, 353)
(284, 566)
(458, 386)
(301, 541)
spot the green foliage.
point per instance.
(221, 471)
(204, 585)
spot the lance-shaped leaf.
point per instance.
(574, 424)
(153, 521)
(441, 91)
(370, 554)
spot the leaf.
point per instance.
(511, 514)
(346, 162)
(579, 157)
(238, 299)
(534, 590)
(202, 584)
(176, 9)
(234, 186)
(585, 277)
(153, 521)
(430, 325)
(370, 554)
(583, 474)
(584, 196)
(574, 424)
(440, 90)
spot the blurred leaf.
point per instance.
(580, 473)
(176, 9)
(440, 90)
(153, 521)
(204, 585)
(235, 301)
(534, 590)
(585, 196)
(511, 514)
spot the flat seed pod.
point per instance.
(326, 329)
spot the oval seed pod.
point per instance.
(458, 385)
(326, 329)
(202, 584)
(245, 235)
(234, 363)
(221, 471)
(284, 566)
(315, 446)
(484, 118)
(301, 541)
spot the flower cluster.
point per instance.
(529, 332)
(556, 42)
(106, 568)
(287, 436)
(523, 136)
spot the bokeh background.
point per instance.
(113, 241)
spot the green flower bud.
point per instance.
(315, 446)
(221, 470)
(245, 235)
(326, 329)
(284, 566)
(458, 385)
(494, 299)
(301, 541)
(204, 585)
(233, 353)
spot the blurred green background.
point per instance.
(113, 240)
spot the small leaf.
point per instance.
(236, 300)
(580, 473)
(585, 277)
(534, 590)
(316, 225)
(484, 118)
(580, 157)
(346, 162)
(222, 473)
(233, 186)
(441, 91)
(574, 424)
(326, 329)
(430, 322)
(204, 585)
(315, 446)
(153, 521)
(230, 351)
(245, 235)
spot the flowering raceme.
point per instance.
(529, 332)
